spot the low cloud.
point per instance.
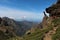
(20, 14)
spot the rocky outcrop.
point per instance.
(0, 20)
(54, 10)
(54, 15)
(6, 29)
(58, 2)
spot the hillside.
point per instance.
(48, 29)
(11, 28)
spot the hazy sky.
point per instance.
(24, 9)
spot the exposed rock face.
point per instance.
(44, 22)
(0, 20)
(6, 31)
(54, 10)
(58, 1)
(54, 17)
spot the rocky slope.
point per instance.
(48, 29)
(10, 27)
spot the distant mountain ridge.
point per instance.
(19, 27)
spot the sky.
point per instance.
(24, 9)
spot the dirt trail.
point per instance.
(50, 33)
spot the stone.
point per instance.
(58, 1)
(0, 20)
(54, 10)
